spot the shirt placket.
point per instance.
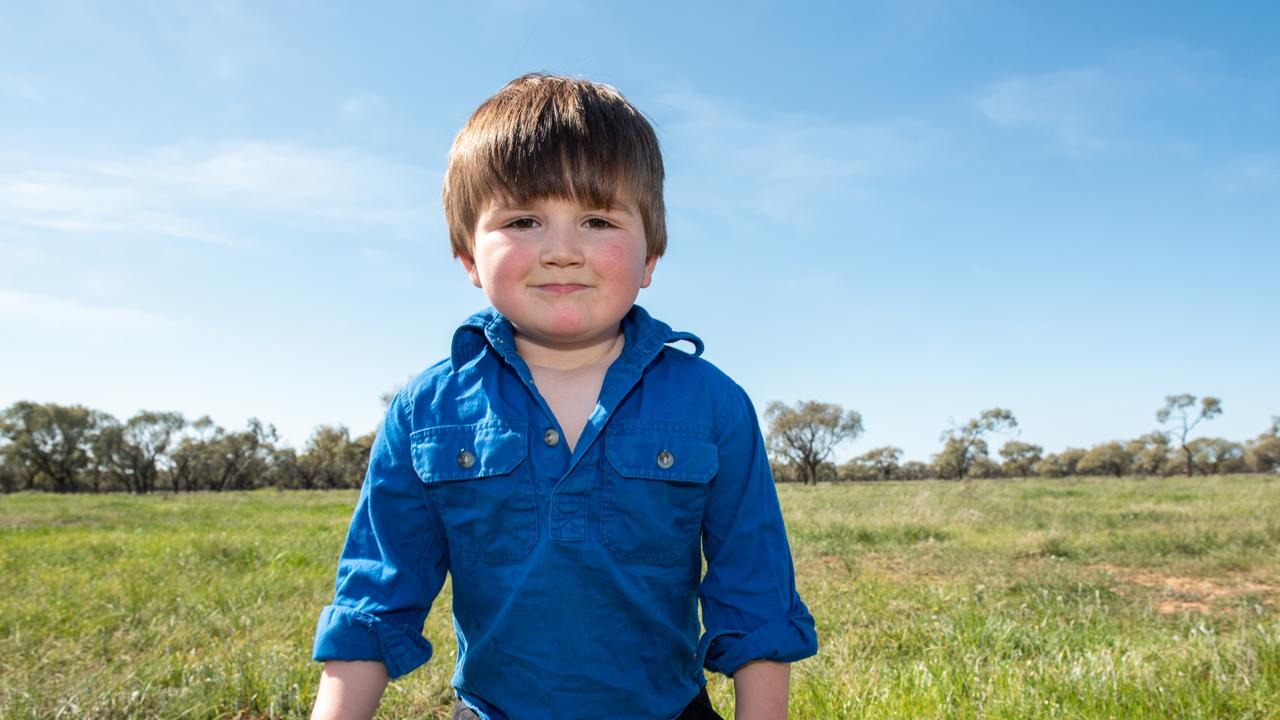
(569, 495)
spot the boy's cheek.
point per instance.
(621, 255)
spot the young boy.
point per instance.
(564, 465)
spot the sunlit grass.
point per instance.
(1003, 599)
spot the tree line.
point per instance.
(803, 436)
(70, 449)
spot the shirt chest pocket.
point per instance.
(655, 492)
(479, 479)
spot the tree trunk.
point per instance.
(810, 472)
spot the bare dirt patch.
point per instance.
(823, 565)
(920, 567)
(1183, 593)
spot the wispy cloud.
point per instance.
(1065, 105)
(785, 167)
(1099, 107)
(50, 310)
(21, 89)
(1251, 175)
(231, 194)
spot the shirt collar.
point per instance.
(645, 337)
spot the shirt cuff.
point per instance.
(346, 634)
(787, 639)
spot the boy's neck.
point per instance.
(568, 357)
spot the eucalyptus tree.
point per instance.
(915, 470)
(191, 460)
(242, 459)
(1109, 458)
(1020, 458)
(51, 445)
(807, 433)
(333, 459)
(1179, 413)
(881, 463)
(966, 444)
(147, 439)
(1150, 453)
(135, 455)
(1063, 464)
(1264, 452)
(8, 468)
(212, 458)
(1218, 456)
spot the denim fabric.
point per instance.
(576, 576)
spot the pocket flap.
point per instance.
(464, 452)
(662, 455)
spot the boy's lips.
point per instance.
(561, 287)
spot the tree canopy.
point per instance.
(66, 449)
(965, 444)
(1179, 413)
(806, 433)
(1020, 458)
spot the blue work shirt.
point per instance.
(576, 576)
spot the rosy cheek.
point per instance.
(616, 257)
(506, 261)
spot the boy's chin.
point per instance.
(571, 324)
(569, 336)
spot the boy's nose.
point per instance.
(562, 248)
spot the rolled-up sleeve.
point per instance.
(750, 608)
(392, 566)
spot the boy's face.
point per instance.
(562, 273)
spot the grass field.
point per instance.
(1003, 599)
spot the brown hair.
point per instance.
(549, 136)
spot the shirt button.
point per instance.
(551, 437)
(466, 459)
(666, 459)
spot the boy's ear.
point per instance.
(648, 271)
(470, 265)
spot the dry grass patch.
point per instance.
(1183, 593)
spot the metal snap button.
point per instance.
(466, 459)
(551, 437)
(666, 459)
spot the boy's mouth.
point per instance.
(561, 287)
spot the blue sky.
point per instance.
(918, 210)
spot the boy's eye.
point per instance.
(523, 223)
(598, 223)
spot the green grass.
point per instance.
(994, 599)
